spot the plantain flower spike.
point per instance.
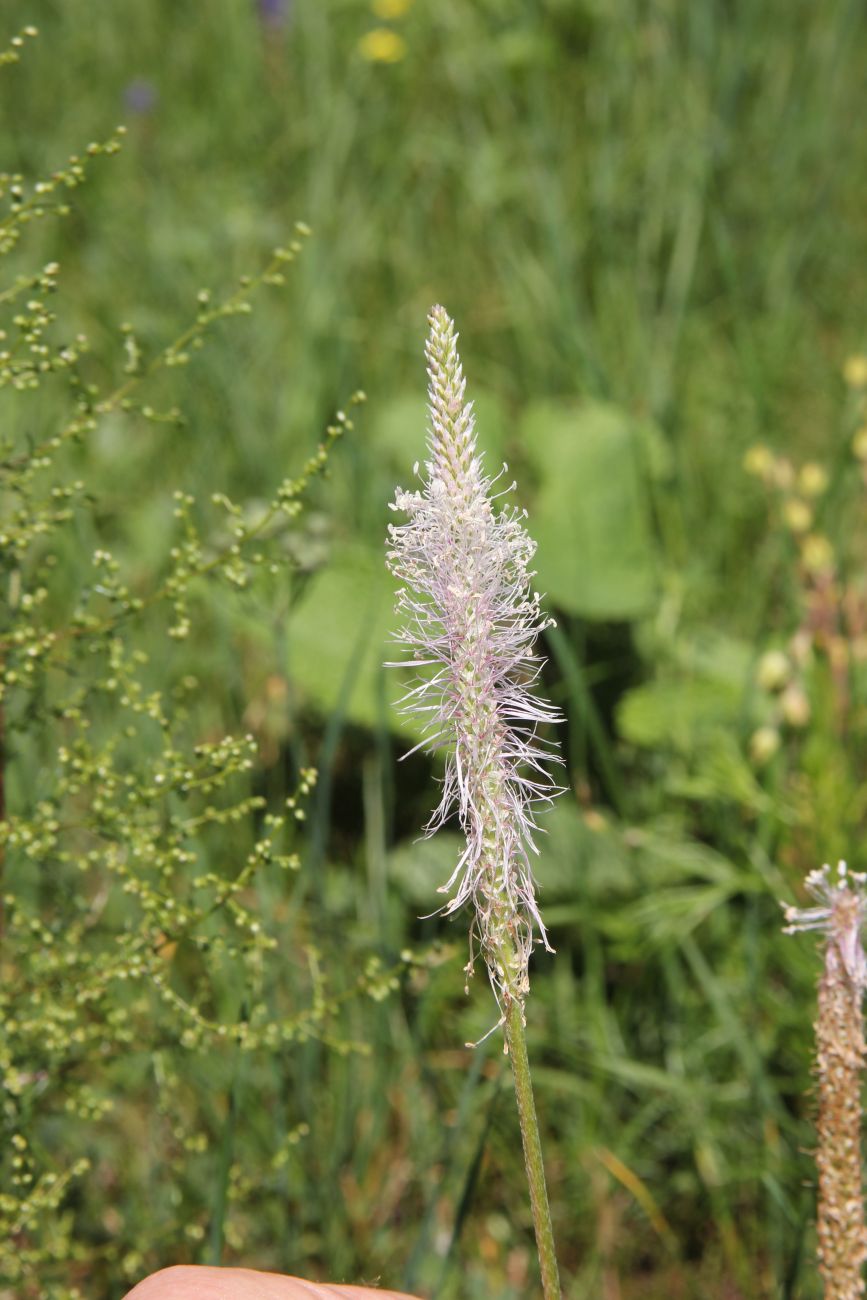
(470, 624)
(840, 1050)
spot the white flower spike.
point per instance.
(471, 619)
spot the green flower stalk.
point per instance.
(471, 620)
(840, 1052)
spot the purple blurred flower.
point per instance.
(472, 617)
(140, 96)
(274, 13)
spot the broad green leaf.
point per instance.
(578, 858)
(699, 719)
(699, 710)
(420, 867)
(596, 555)
(711, 654)
(676, 714)
(338, 639)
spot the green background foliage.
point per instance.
(647, 221)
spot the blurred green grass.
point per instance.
(647, 220)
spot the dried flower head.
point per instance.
(840, 1051)
(471, 619)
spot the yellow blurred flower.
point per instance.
(773, 670)
(795, 706)
(758, 460)
(595, 821)
(797, 515)
(859, 443)
(817, 553)
(382, 45)
(390, 8)
(764, 743)
(855, 372)
(813, 479)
